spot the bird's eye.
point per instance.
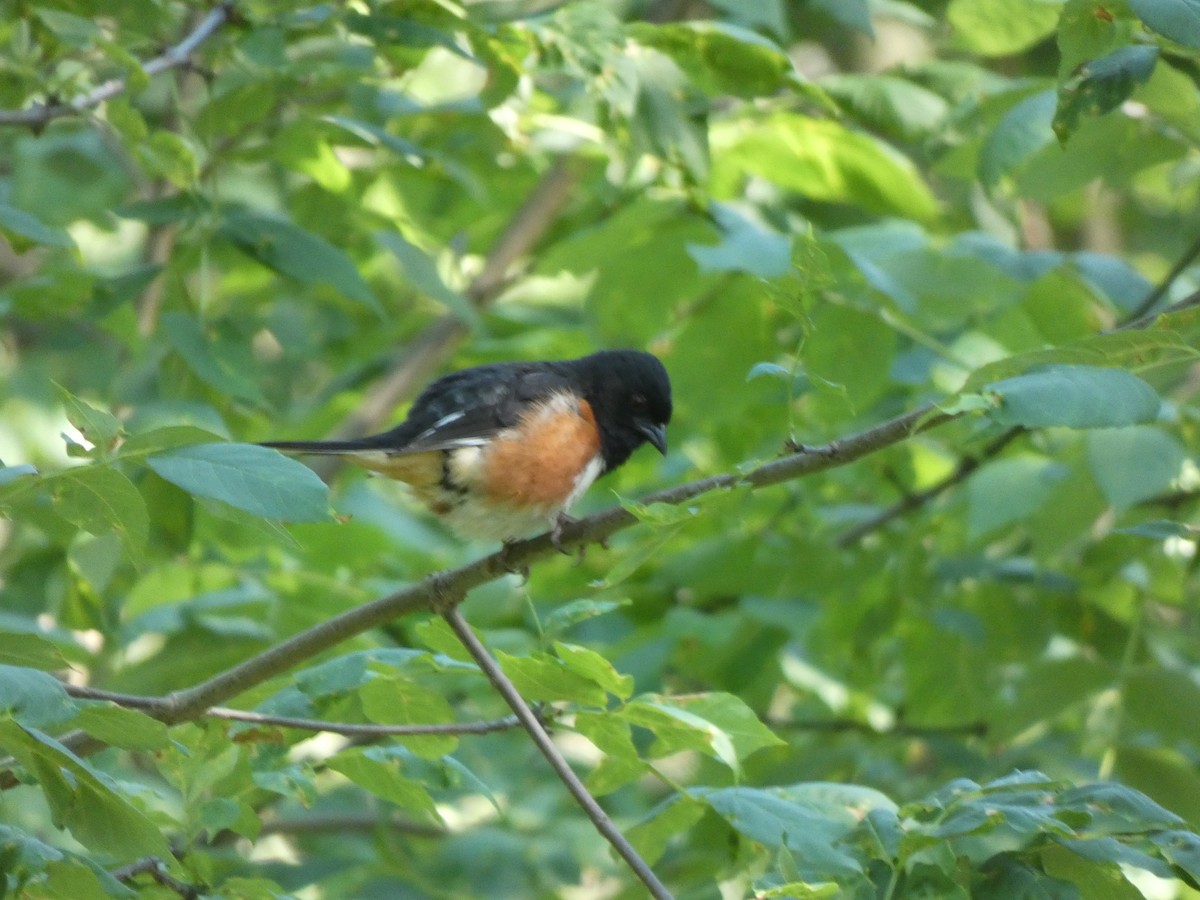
(638, 401)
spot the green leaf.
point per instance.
(1133, 464)
(437, 635)
(775, 820)
(157, 440)
(821, 160)
(747, 246)
(670, 820)
(1152, 699)
(98, 426)
(765, 15)
(594, 667)
(216, 362)
(1001, 27)
(1178, 20)
(666, 120)
(717, 724)
(381, 770)
(1018, 136)
(19, 224)
(66, 175)
(100, 500)
(258, 480)
(721, 59)
(1159, 530)
(1074, 397)
(422, 271)
(1061, 306)
(649, 546)
(567, 615)
(20, 648)
(290, 250)
(1010, 490)
(1112, 850)
(850, 350)
(1117, 808)
(542, 678)
(891, 103)
(401, 701)
(118, 726)
(1046, 689)
(34, 698)
(1083, 35)
(1008, 878)
(1162, 773)
(84, 800)
(1180, 848)
(1102, 85)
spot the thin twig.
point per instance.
(1160, 290)
(40, 114)
(513, 698)
(156, 869)
(906, 504)
(350, 729)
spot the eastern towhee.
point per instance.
(501, 450)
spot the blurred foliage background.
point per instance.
(275, 220)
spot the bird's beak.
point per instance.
(656, 434)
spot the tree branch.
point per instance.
(965, 468)
(586, 801)
(1160, 290)
(156, 869)
(350, 729)
(152, 705)
(39, 114)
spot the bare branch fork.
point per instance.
(40, 114)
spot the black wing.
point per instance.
(457, 410)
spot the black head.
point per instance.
(630, 393)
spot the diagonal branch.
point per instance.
(582, 796)
(1160, 289)
(39, 114)
(348, 729)
(909, 502)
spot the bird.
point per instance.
(502, 450)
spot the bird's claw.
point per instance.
(509, 566)
(561, 521)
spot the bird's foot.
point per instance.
(509, 566)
